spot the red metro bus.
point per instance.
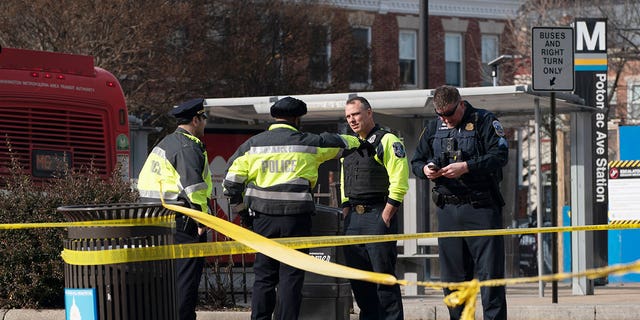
(58, 111)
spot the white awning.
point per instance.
(502, 100)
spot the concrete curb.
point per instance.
(223, 315)
(424, 312)
(30, 314)
(412, 312)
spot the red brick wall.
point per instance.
(473, 55)
(385, 71)
(435, 47)
(472, 50)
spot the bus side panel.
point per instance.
(55, 120)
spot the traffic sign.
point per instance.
(552, 53)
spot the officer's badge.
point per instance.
(469, 126)
(372, 139)
(398, 150)
(498, 127)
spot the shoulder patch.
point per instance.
(398, 150)
(498, 127)
(502, 143)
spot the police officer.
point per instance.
(179, 165)
(374, 183)
(272, 174)
(463, 151)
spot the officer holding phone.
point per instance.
(462, 152)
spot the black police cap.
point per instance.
(189, 109)
(288, 107)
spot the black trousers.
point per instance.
(270, 273)
(188, 274)
(462, 258)
(376, 301)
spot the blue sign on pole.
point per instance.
(80, 304)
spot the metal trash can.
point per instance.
(132, 290)
(326, 297)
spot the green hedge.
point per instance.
(31, 269)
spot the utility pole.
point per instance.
(423, 46)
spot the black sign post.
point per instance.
(552, 70)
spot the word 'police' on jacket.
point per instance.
(275, 171)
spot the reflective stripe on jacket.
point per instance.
(180, 163)
(275, 171)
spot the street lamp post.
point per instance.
(494, 66)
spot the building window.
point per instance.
(320, 55)
(453, 59)
(633, 107)
(360, 56)
(408, 56)
(489, 53)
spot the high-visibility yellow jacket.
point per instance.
(178, 163)
(274, 172)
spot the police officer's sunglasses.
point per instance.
(450, 112)
(202, 114)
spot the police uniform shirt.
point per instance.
(491, 149)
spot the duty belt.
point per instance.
(364, 208)
(452, 199)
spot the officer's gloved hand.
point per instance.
(366, 146)
(246, 219)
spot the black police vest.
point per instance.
(458, 145)
(364, 177)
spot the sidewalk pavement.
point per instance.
(613, 301)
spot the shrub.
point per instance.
(31, 269)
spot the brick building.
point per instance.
(386, 51)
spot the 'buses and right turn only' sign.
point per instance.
(552, 64)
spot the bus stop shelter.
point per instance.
(405, 111)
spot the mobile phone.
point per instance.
(432, 166)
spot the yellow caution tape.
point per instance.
(163, 221)
(283, 250)
(280, 252)
(178, 251)
(111, 256)
(468, 291)
(465, 295)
